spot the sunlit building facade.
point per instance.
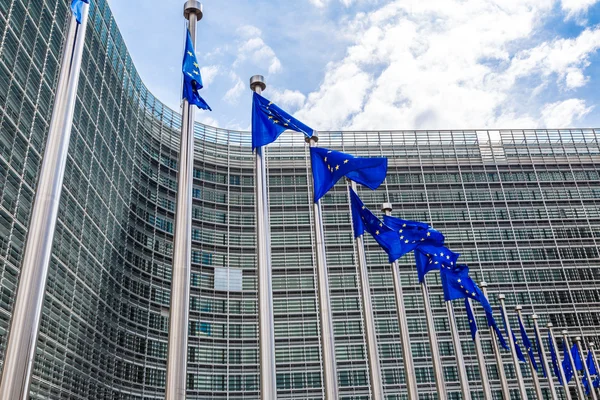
(521, 206)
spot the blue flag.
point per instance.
(192, 80)
(527, 342)
(554, 358)
(77, 9)
(566, 363)
(430, 258)
(492, 323)
(269, 121)
(457, 284)
(328, 166)
(591, 364)
(413, 233)
(538, 342)
(577, 358)
(364, 220)
(511, 335)
(472, 322)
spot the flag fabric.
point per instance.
(593, 369)
(538, 343)
(472, 322)
(566, 363)
(511, 335)
(364, 220)
(492, 323)
(527, 342)
(414, 233)
(554, 358)
(328, 166)
(577, 358)
(429, 258)
(269, 121)
(192, 80)
(77, 9)
(457, 284)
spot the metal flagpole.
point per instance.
(544, 360)
(513, 350)
(433, 344)
(592, 345)
(24, 329)
(497, 354)
(563, 378)
(330, 383)
(266, 333)
(182, 241)
(536, 380)
(369, 326)
(485, 383)
(575, 374)
(585, 368)
(407, 360)
(460, 361)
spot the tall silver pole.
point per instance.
(561, 371)
(513, 350)
(485, 382)
(536, 380)
(585, 368)
(544, 359)
(27, 311)
(268, 388)
(407, 359)
(594, 359)
(575, 374)
(369, 326)
(330, 383)
(433, 344)
(182, 241)
(497, 354)
(460, 361)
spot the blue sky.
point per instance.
(374, 64)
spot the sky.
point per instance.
(380, 65)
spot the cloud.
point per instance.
(561, 114)
(205, 119)
(287, 99)
(232, 96)
(209, 73)
(445, 64)
(254, 49)
(576, 8)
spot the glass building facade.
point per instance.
(521, 206)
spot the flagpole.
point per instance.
(485, 382)
(268, 388)
(544, 359)
(536, 380)
(563, 377)
(497, 354)
(585, 368)
(460, 361)
(182, 240)
(407, 359)
(592, 345)
(513, 350)
(433, 344)
(369, 322)
(21, 346)
(330, 383)
(578, 384)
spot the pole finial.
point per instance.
(483, 284)
(565, 332)
(501, 296)
(257, 81)
(385, 207)
(518, 307)
(534, 316)
(549, 324)
(192, 7)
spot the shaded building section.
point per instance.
(522, 207)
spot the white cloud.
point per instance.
(207, 120)
(287, 99)
(209, 73)
(561, 114)
(232, 96)
(576, 8)
(254, 49)
(444, 64)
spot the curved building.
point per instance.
(521, 206)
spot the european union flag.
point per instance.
(364, 220)
(527, 342)
(539, 350)
(328, 166)
(591, 364)
(77, 9)
(414, 233)
(429, 258)
(457, 284)
(554, 358)
(577, 358)
(192, 81)
(566, 363)
(512, 337)
(270, 121)
(492, 323)
(472, 322)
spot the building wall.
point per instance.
(522, 207)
